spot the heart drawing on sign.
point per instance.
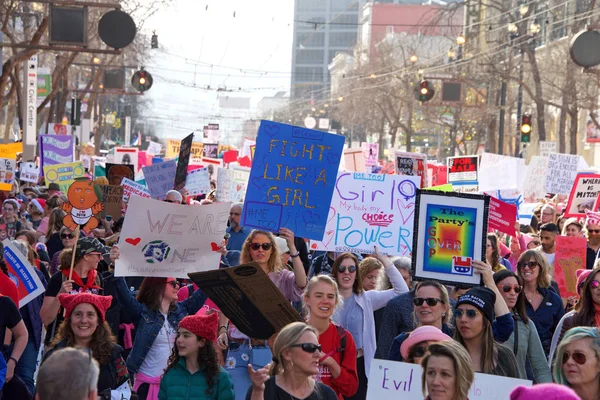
(132, 241)
(238, 188)
(271, 130)
(214, 246)
(313, 246)
(406, 209)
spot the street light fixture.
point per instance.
(341, 98)
(96, 60)
(535, 28)
(513, 28)
(413, 58)
(460, 40)
(523, 9)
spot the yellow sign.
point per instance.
(10, 150)
(63, 174)
(173, 149)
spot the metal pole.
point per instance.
(502, 117)
(518, 147)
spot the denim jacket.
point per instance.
(149, 322)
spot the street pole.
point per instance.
(519, 146)
(502, 117)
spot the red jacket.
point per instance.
(347, 383)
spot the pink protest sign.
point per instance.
(502, 216)
(570, 256)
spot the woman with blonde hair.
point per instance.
(55, 222)
(296, 360)
(447, 372)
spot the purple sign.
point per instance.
(56, 149)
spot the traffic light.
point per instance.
(526, 128)
(154, 41)
(141, 80)
(424, 92)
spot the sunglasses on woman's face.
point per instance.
(351, 269)
(508, 288)
(577, 356)
(265, 246)
(431, 301)
(174, 283)
(531, 265)
(67, 236)
(594, 284)
(308, 347)
(471, 314)
(418, 352)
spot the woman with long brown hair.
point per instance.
(55, 222)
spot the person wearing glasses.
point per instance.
(592, 233)
(542, 303)
(9, 221)
(474, 314)
(295, 362)
(524, 342)
(68, 241)
(260, 247)
(447, 372)
(576, 364)
(337, 367)
(356, 314)
(237, 233)
(415, 347)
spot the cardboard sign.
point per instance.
(164, 239)
(535, 180)
(8, 168)
(380, 213)
(154, 148)
(125, 155)
(211, 150)
(232, 184)
(183, 162)
(249, 298)
(398, 380)
(115, 173)
(547, 148)
(131, 188)
(29, 172)
(502, 217)
(450, 231)
(370, 153)
(584, 195)
(354, 160)
(55, 149)
(83, 206)
(160, 178)
(561, 173)
(173, 147)
(413, 164)
(112, 197)
(21, 273)
(10, 150)
(292, 179)
(63, 174)
(197, 182)
(570, 256)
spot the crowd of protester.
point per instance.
(92, 335)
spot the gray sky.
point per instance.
(192, 38)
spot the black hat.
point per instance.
(87, 245)
(54, 186)
(481, 298)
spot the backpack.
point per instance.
(342, 335)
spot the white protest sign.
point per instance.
(29, 172)
(131, 188)
(547, 148)
(247, 148)
(170, 240)
(398, 380)
(368, 210)
(160, 178)
(154, 148)
(535, 178)
(561, 173)
(7, 173)
(20, 271)
(197, 182)
(498, 172)
(232, 184)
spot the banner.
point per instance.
(547, 148)
(112, 197)
(29, 172)
(398, 380)
(160, 178)
(197, 182)
(463, 173)
(450, 231)
(380, 213)
(414, 164)
(534, 187)
(371, 154)
(183, 161)
(292, 179)
(56, 149)
(10, 150)
(131, 188)
(502, 217)
(115, 173)
(584, 194)
(211, 150)
(63, 174)
(232, 184)
(170, 240)
(21, 273)
(561, 173)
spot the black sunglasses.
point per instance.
(531, 264)
(172, 201)
(577, 356)
(471, 314)
(596, 231)
(308, 347)
(508, 288)
(431, 301)
(417, 352)
(265, 246)
(174, 283)
(67, 236)
(351, 269)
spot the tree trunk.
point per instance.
(562, 124)
(573, 126)
(539, 93)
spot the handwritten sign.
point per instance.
(112, 197)
(584, 195)
(29, 172)
(211, 150)
(502, 216)
(450, 231)
(63, 174)
(547, 148)
(232, 184)
(173, 146)
(7, 173)
(131, 188)
(160, 178)
(413, 164)
(21, 273)
(368, 210)
(56, 149)
(292, 179)
(370, 153)
(197, 182)
(154, 148)
(561, 173)
(398, 380)
(183, 162)
(164, 239)
(354, 160)
(535, 180)
(570, 256)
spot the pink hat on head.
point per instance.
(582, 274)
(503, 250)
(544, 391)
(527, 239)
(592, 217)
(425, 333)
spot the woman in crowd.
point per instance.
(68, 241)
(447, 372)
(577, 362)
(337, 366)
(572, 228)
(261, 247)
(42, 230)
(474, 314)
(356, 314)
(194, 371)
(9, 221)
(296, 355)
(368, 269)
(544, 307)
(492, 254)
(55, 222)
(415, 346)
(403, 264)
(85, 327)
(431, 308)
(524, 342)
(36, 210)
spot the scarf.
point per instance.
(597, 315)
(153, 385)
(91, 279)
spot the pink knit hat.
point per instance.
(544, 391)
(582, 274)
(204, 325)
(69, 301)
(423, 333)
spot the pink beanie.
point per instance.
(544, 391)
(582, 274)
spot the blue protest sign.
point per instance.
(160, 178)
(292, 179)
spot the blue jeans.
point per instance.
(236, 363)
(27, 365)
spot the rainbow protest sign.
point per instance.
(450, 231)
